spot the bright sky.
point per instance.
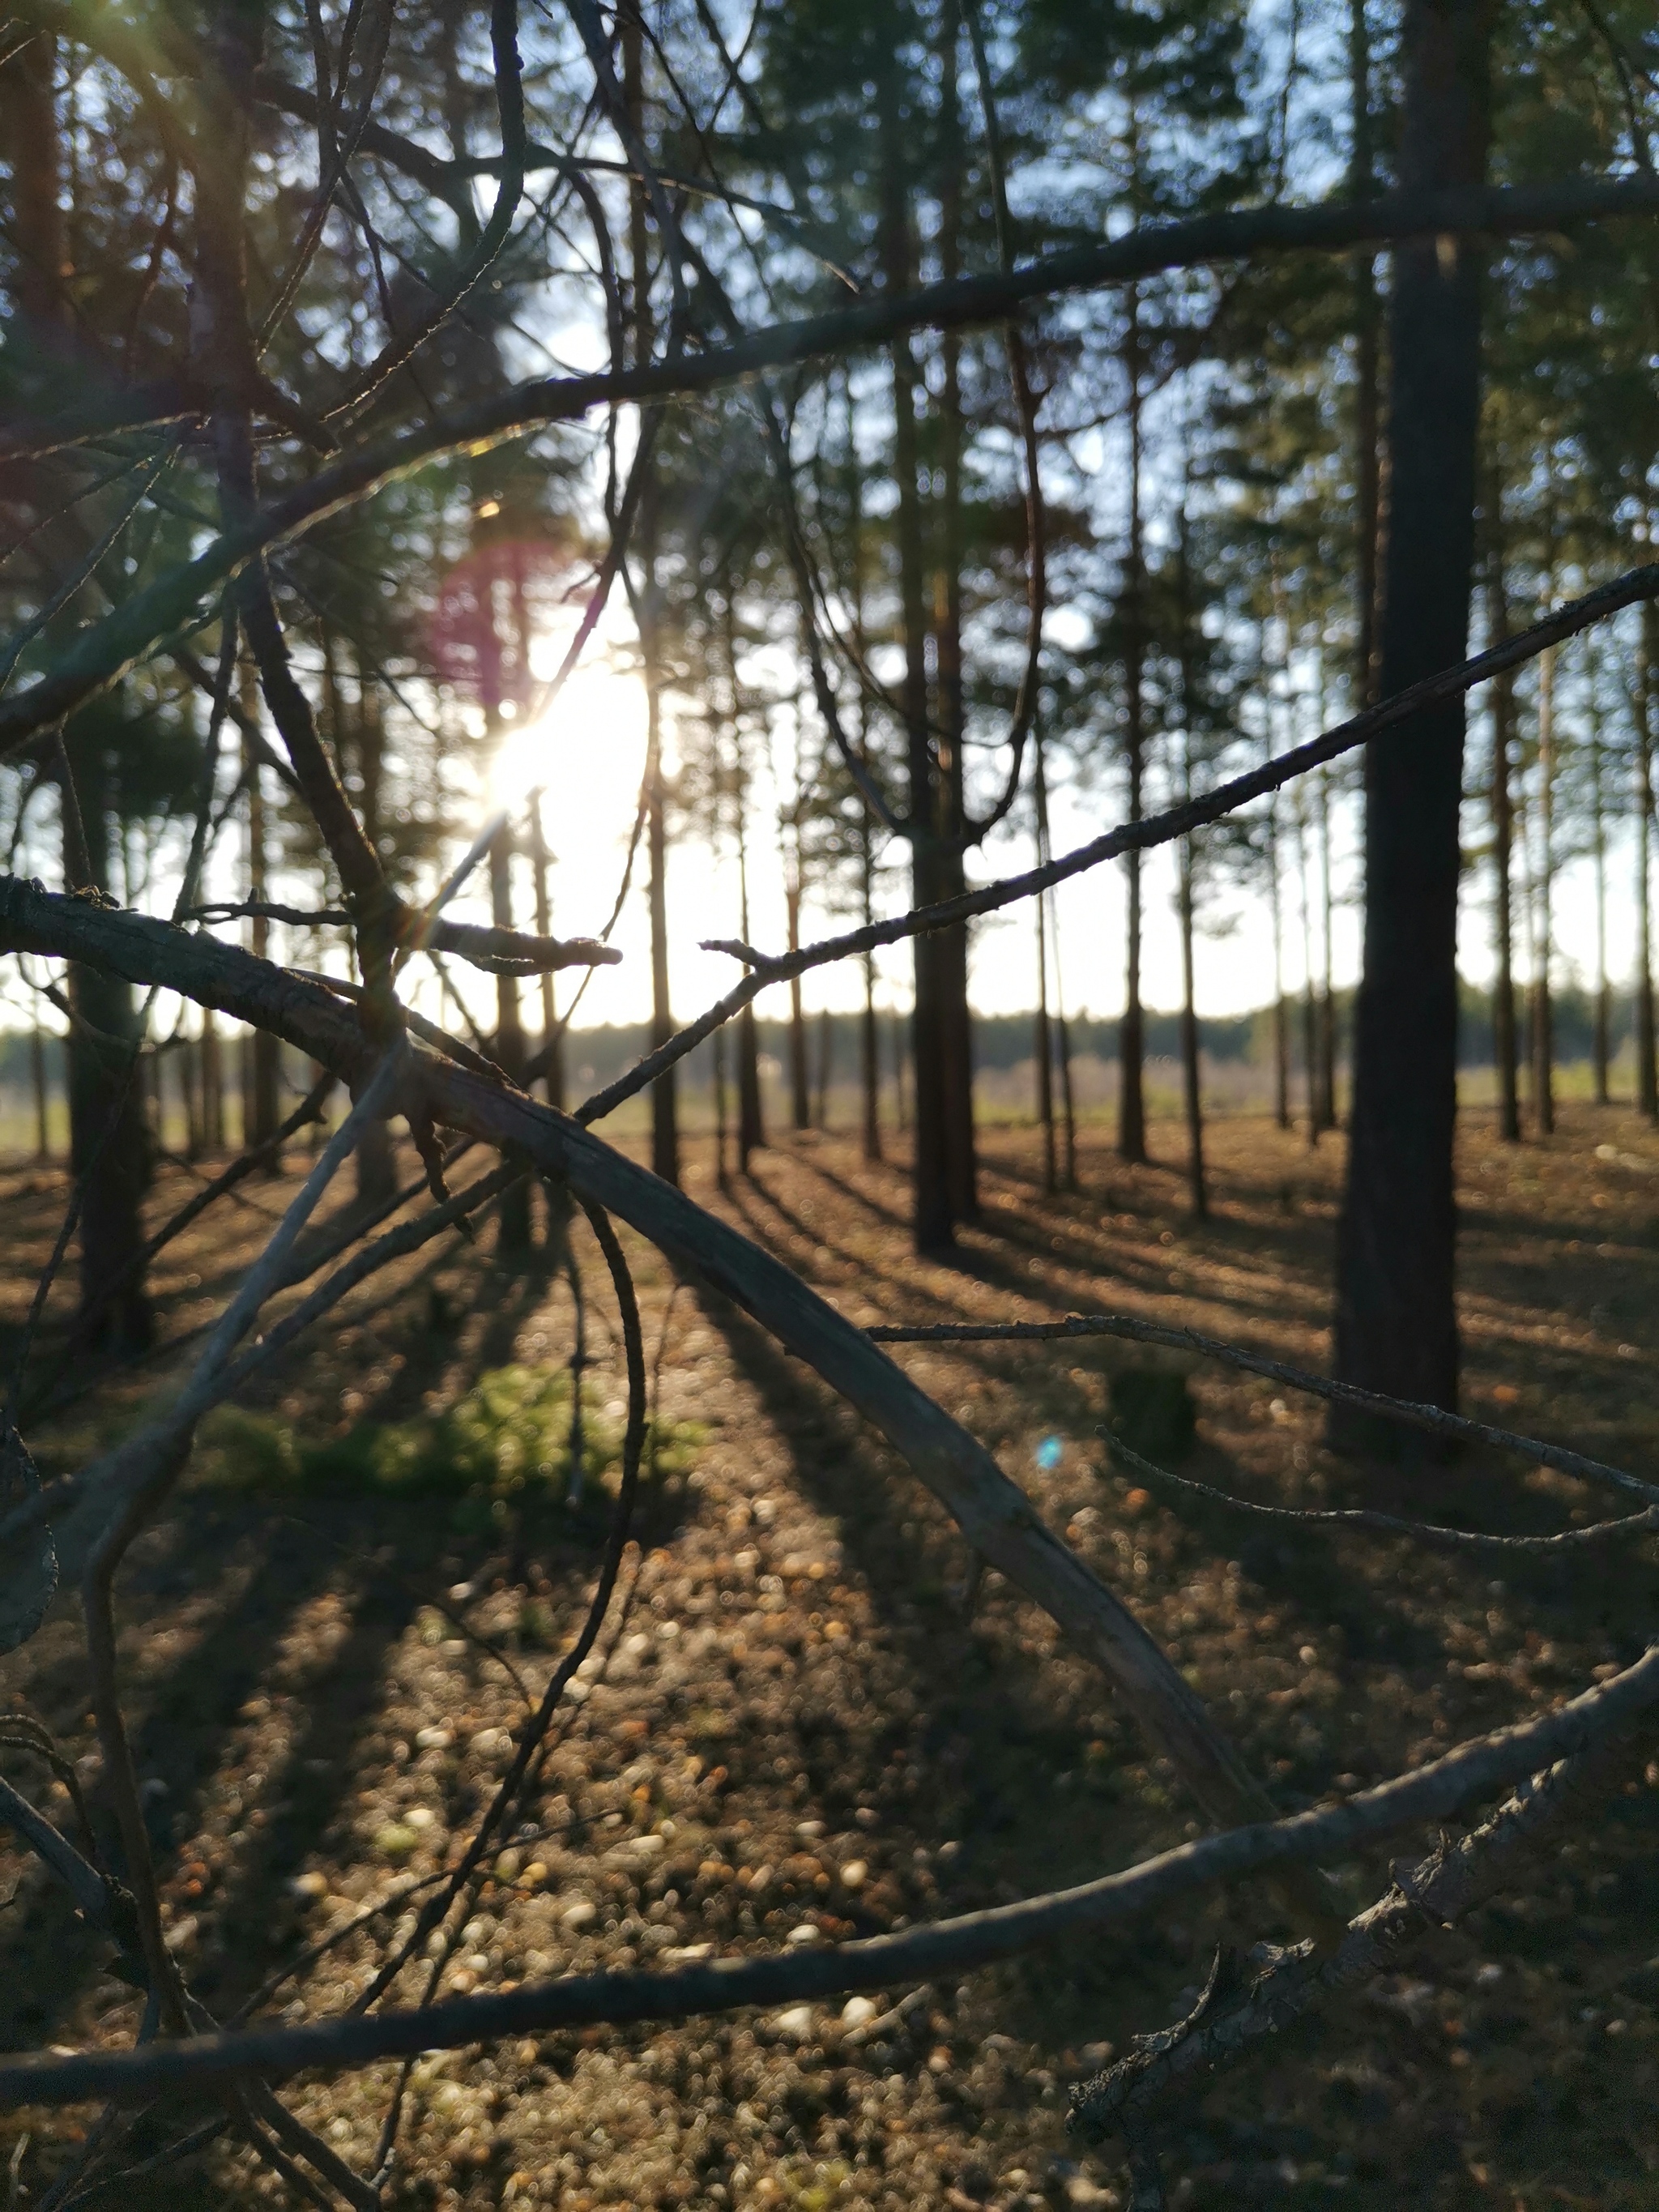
(590, 750)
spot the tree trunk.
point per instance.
(1543, 1010)
(213, 1087)
(718, 1041)
(1601, 1035)
(1310, 996)
(1503, 831)
(261, 1101)
(932, 1215)
(37, 235)
(870, 1025)
(665, 1114)
(1368, 490)
(1647, 1057)
(826, 1060)
(1396, 1325)
(800, 1089)
(751, 1127)
(1131, 1036)
(110, 1148)
(1281, 1037)
(42, 1096)
(514, 1237)
(552, 1041)
(1043, 1049)
(1328, 988)
(957, 1017)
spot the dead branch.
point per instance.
(949, 1947)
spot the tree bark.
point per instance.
(261, 1102)
(800, 1089)
(1396, 1325)
(552, 1044)
(1327, 991)
(870, 1025)
(1503, 831)
(933, 1211)
(1281, 1038)
(1543, 1010)
(110, 1146)
(664, 1100)
(1600, 1042)
(1131, 1035)
(42, 1096)
(826, 1060)
(1647, 1045)
(955, 1015)
(751, 1127)
(514, 1236)
(37, 234)
(1368, 330)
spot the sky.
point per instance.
(591, 751)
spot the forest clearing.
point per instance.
(829, 1104)
(794, 1720)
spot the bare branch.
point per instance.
(106, 649)
(1133, 837)
(950, 1946)
(1134, 1330)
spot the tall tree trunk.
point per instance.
(665, 1105)
(957, 1017)
(1132, 1035)
(1600, 1042)
(37, 234)
(664, 1110)
(1502, 830)
(752, 1126)
(1309, 991)
(901, 1076)
(826, 1061)
(110, 1145)
(262, 1099)
(1042, 1047)
(800, 1089)
(1396, 1325)
(188, 1054)
(42, 1095)
(1647, 1044)
(552, 1042)
(1281, 1035)
(1327, 993)
(1367, 331)
(1543, 1010)
(515, 1235)
(933, 1213)
(1191, 1060)
(213, 1087)
(870, 1023)
(718, 1041)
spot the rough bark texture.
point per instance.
(1396, 1328)
(110, 1146)
(1131, 1035)
(1502, 832)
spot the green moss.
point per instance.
(505, 1444)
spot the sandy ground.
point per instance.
(793, 1730)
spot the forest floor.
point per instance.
(793, 1728)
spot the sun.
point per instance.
(586, 753)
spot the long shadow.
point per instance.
(1308, 1575)
(982, 1749)
(187, 1714)
(189, 1711)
